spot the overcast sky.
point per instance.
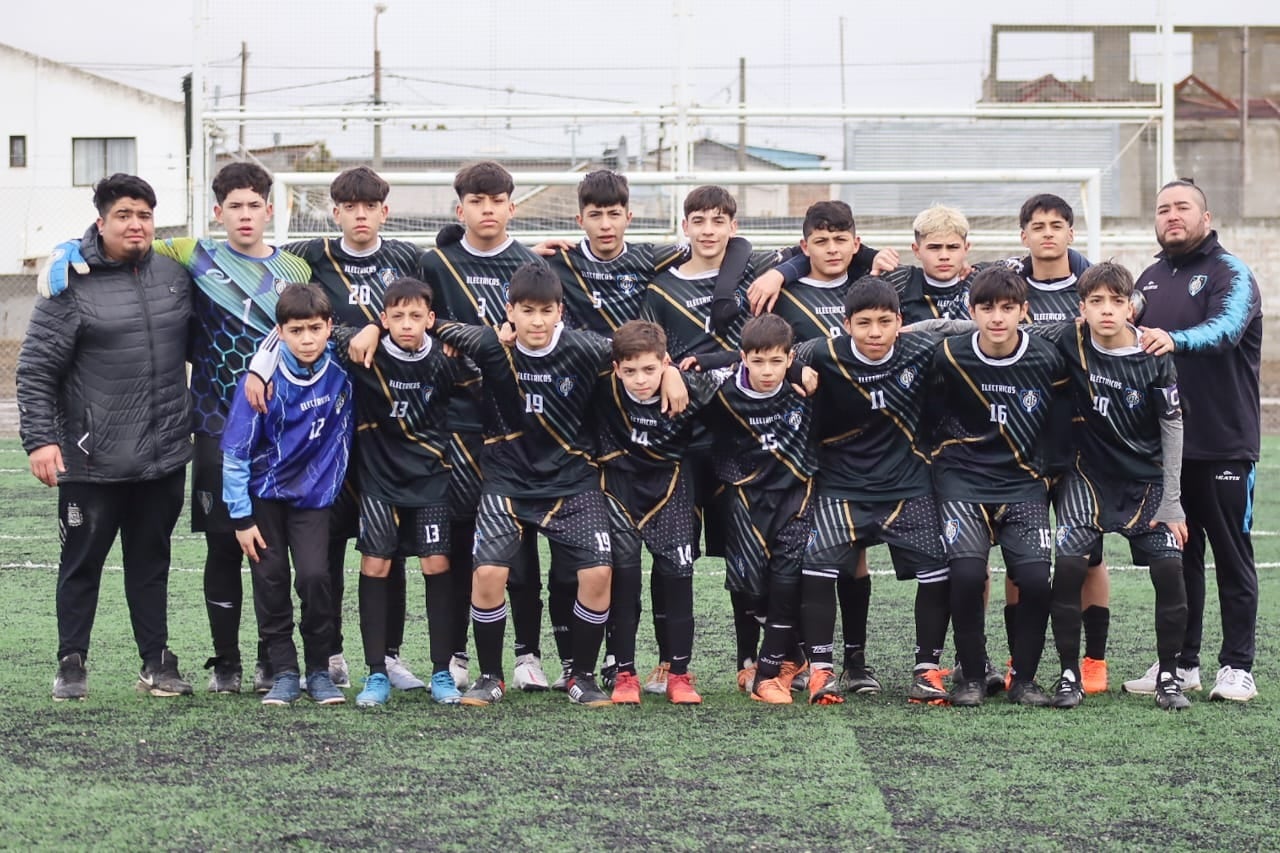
(538, 53)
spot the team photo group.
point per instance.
(785, 410)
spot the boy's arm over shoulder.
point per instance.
(475, 341)
(180, 249)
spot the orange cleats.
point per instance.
(680, 690)
(626, 689)
(791, 671)
(746, 675)
(656, 683)
(824, 688)
(1093, 675)
(771, 691)
(1008, 674)
(927, 688)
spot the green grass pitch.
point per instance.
(221, 772)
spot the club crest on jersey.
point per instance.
(387, 276)
(278, 285)
(813, 540)
(628, 283)
(427, 391)
(951, 530)
(907, 376)
(1063, 532)
(1197, 284)
(1132, 398)
(565, 386)
(1029, 399)
(340, 402)
(74, 517)
(793, 418)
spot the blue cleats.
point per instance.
(376, 692)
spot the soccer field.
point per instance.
(221, 772)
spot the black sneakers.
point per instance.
(72, 682)
(225, 677)
(1168, 693)
(1068, 692)
(583, 690)
(968, 693)
(1028, 694)
(486, 690)
(163, 678)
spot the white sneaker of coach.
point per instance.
(400, 676)
(529, 675)
(1234, 684)
(1189, 679)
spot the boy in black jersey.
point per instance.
(992, 392)
(1052, 269)
(939, 287)
(538, 474)
(765, 457)
(355, 270)
(650, 503)
(1124, 476)
(605, 279)
(680, 300)
(815, 305)
(470, 278)
(872, 487)
(402, 440)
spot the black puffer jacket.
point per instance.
(102, 370)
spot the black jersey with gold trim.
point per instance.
(640, 449)
(402, 431)
(471, 287)
(815, 309)
(539, 439)
(868, 417)
(1119, 398)
(357, 284)
(1052, 301)
(991, 415)
(681, 305)
(602, 295)
(761, 440)
(921, 298)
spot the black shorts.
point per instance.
(344, 515)
(843, 529)
(1021, 530)
(576, 527)
(209, 514)
(710, 496)
(463, 456)
(669, 530)
(1088, 507)
(388, 531)
(768, 531)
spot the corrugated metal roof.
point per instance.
(930, 145)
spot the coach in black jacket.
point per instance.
(105, 416)
(1203, 305)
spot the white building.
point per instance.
(64, 129)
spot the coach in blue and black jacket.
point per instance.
(1203, 304)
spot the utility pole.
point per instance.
(1244, 117)
(378, 9)
(244, 87)
(742, 126)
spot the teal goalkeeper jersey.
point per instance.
(234, 309)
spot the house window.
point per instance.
(94, 159)
(17, 152)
